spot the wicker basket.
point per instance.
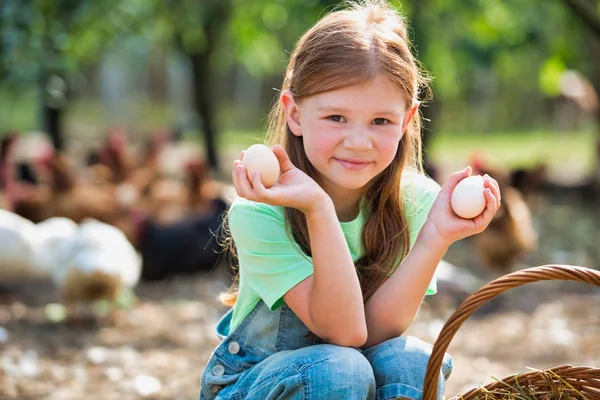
(579, 382)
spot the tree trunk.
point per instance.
(204, 81)
(204, 104)
(53, 95)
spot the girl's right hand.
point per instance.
(294, 188)
(444, 227)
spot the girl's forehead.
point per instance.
(374, 95)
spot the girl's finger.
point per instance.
(259, 189)
(234, 177)
(244, 183)
(284, 160)
(242, 153)
(493, 186)
(490, 208)
(455, 178)
(494, 183)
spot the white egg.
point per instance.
(261, 158)
(468, 200)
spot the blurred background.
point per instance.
(131, 113)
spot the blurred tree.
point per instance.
(494, 63)
(46, 42)
(588, 12)
(216, 34)
(198, 27)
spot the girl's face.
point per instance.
(351, 134)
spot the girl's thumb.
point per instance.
(284, 160)
(457, 177)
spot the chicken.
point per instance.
(133, 181)
(20, 168)
(4, 203)
(187, 246)
(530, 181)
(19, 240)
(511, 232)
(51, 234)
(114, 155)
(77, 200)
(96, 262)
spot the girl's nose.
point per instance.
(357, 140)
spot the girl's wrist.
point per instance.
(431, 238)
(322, 204)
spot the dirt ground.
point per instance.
(159, 347)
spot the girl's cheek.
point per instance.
(387, 145)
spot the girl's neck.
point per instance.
(346, 205)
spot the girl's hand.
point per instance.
(443, 227)
(293, 189)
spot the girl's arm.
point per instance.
(392, 308)
(330, 301)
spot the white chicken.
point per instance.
(19, 239)
(51, 235)
(96, 263)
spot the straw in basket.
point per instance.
(559, 383)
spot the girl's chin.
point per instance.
(351, 185)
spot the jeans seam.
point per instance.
(282, 328)
(266, 378)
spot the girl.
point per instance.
(335, 259)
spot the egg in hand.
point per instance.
(261, 158)
(468, 200)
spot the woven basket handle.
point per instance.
(488, 292)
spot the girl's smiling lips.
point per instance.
(352, 164)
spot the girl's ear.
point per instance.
(292, 112)
(410, 115)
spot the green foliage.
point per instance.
(506, 52)
(509, 53)
(60, 36)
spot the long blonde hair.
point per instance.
(345, 48)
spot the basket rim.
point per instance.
(488, 292)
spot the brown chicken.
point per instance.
(77, 200)
(511, 233)
(530, 181)
(27, 199)
(4, 203)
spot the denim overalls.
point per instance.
(272, 355)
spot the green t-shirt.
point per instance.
(270, 264)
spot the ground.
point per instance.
(159, 347)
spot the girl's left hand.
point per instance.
(444, 227)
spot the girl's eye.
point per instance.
(336, 118)
(381, 121)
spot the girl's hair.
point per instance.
(349, 47)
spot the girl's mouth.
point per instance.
(353, 165)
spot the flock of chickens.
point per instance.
(96, 226)
(99, 224)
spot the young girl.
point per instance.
(335, 259)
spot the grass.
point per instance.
(558, 149)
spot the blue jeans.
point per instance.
(271, 355)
